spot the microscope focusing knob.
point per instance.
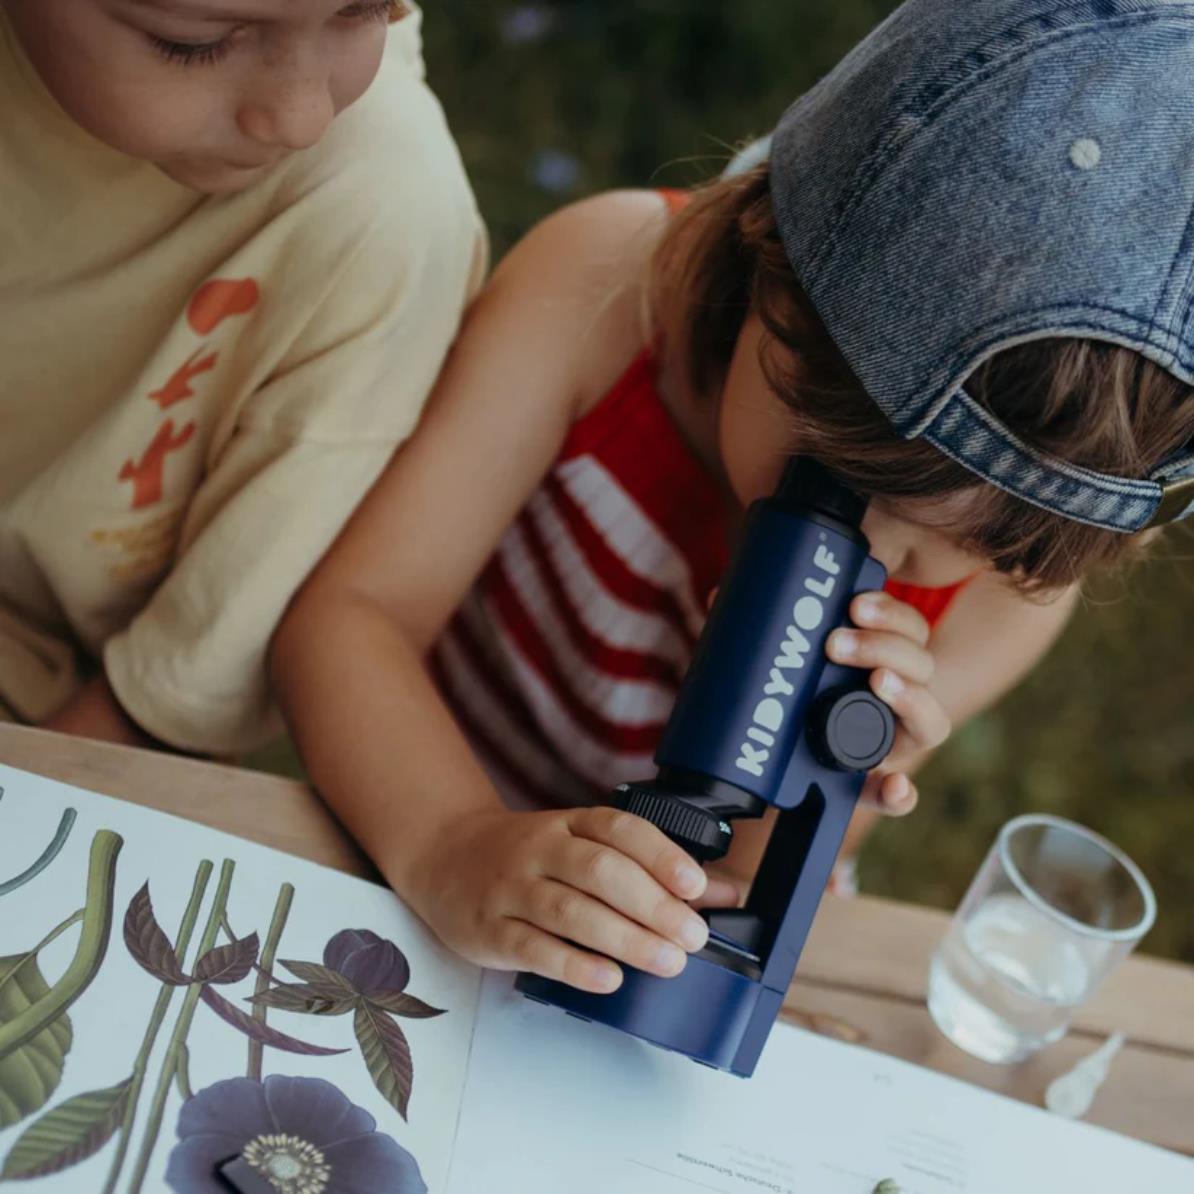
(851, 729)
(705, 835)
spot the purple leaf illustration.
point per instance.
(346, 942)
(402, 1004)
(312, 972)
(148, 943)
(311, 999)
(228, 963)
(387, 1055)
(70, 1133)
(367, 961)
(257, 1031)
(293, 1134)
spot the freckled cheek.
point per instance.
(353, 73)
(154, 119)
(184, 132)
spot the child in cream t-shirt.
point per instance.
(236, 239)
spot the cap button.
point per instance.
(1086, 153)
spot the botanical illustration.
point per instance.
(299, 1135)
(250, 1132)
(35, 1030)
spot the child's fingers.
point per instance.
(641, 841)
(877, 648)
(576, 917)
(881, 611)
(897, 794)
(921, 716)
(621, 883)
(720, 893)
(892, 793)
(527, 947)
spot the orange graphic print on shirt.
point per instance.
(214, 302)
(220, 299)
(179, 385)
(146, 474)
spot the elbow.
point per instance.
(310, 627)
(326, 627)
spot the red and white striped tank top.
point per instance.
(564, 661)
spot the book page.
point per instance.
(555, 1104)
(172, 997)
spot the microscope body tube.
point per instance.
(747, 732)
(761, 657)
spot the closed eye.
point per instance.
(205, 53)
(190, 53)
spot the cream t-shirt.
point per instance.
(196, 392)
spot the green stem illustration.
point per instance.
(50, 936)
(182, 1074)
(266, 966)
(65, 825)
(160, 1007)
(89, 954)
(182, 1026)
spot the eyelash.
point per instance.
(190, 54)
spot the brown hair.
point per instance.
(1096, 405)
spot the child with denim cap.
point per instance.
(963, 281)
(236, 239)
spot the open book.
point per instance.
(183, 1010)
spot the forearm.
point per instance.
(374, 734)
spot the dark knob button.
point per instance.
(705, 835)
(851, 729)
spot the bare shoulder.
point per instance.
(599, 236)
(581, 275)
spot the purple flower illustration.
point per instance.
(368, 961)
(298, 1135)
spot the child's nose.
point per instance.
(293, 110)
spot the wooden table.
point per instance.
(862, 976)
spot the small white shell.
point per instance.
(1072, 1094)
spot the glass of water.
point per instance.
(1051, 912)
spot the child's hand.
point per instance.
(892, 640)
(550, 892)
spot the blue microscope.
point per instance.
(763, 720)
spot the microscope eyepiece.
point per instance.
(808, 485)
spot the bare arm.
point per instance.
(347, 661)
(504, 889)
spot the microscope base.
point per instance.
(710, 1013)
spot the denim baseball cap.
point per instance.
(978, 174)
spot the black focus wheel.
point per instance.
(706, 836)
(851, 729)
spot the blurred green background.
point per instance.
(552, 101)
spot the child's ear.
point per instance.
(401, 9)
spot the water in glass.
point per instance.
(1004, 982)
